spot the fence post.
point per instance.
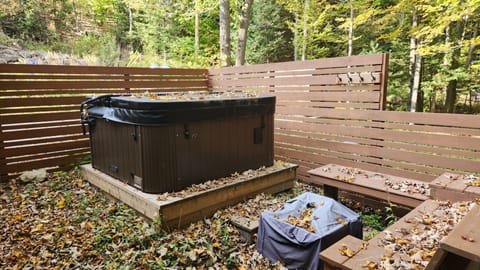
(3, 160)
(384, 82)
(127, 79)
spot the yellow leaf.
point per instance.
(401, 241)
(61, 204)
(428, 256)
(242, 267)
(340, 220)
(216, 244)
(37, 228)
(346, 251)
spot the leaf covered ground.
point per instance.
(64, 222)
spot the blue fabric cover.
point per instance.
(296, 247)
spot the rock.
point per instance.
(37, 175)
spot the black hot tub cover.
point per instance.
(299, 248)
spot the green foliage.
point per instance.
(103, 47)
(372, 220)
(269, 38)
(142, 32)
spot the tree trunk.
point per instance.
(415, 103)
(225, 33)
(295, 38)
(452, 84)
(130, 19)
(197, 36)
(433, 101)
(350, 30)
(304, 38)
(473, 46)
(414, 68)
(242, 32)
(75, 9)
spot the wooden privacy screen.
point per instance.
(355, 82)
(414, 145)
(39, 108)
(327, 112)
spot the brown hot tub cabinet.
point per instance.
(165, 142)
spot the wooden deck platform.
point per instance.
(394, 189)
(455, 187)
(180, 210)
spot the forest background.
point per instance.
(433, 45)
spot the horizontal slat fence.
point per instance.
(328, 111)
(354, 82)
(414, 145)
(39, 108)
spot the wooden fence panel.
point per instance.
(355, 82)
(414, 145)
(39, 108)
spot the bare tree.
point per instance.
(305, 25)
(350, 30)
(197, 35)
(415, 69)
(243, 31)
(225, 33)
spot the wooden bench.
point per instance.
(371, 252)
(394, 189)
(455, 187)
(461, 248)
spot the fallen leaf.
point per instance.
(468, 238)
(37, 228)
(346, 251)
(61, 204)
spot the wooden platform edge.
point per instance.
(177, 212)
(146, 204)
(205, 204)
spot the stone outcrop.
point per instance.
(14, 54)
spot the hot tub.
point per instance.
(166, 142)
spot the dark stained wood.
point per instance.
(435, 119)
(362, 71)
(39, 117)
(33, 157)
(95, 91)
(332, 257)
(335, 76)
(374, 251)
(49, 162)
(329, 96)
(451, 163)
(367, 183)
(464, 240)
(40, 101)
(36, 149)
(453, 187)
(360, 60)
(457, 153)
(20, 110)
(320, 159)
(402, 126)
(42, 140)
(121, 77)
(39, 107)
(18, 85)
(61, 69)
(49, 124)
(384, 82)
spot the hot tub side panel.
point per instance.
(217, 148)
(114, 150)
(158, 159)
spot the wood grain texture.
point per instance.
(39, 107)
(464, 240)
